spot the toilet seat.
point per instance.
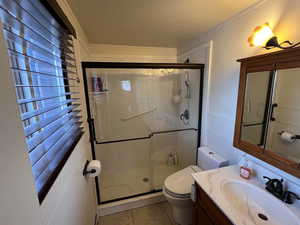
(178, 185)
(175, 195)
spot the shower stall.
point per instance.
(144, 121)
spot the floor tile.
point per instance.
(156, 214)
(169, 212)
(122, 218)
(151, 215)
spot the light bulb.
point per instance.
(261, 35)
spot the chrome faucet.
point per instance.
(275, 187)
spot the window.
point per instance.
(126, 85)
(44, 72)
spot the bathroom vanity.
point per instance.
(224, 198)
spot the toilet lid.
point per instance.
(180, 182)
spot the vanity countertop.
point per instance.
(212, 182)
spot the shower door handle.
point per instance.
(92, 130)
(272, 111)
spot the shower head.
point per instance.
(187, 78)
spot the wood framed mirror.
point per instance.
(268, 109)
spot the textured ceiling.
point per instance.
(163, 23)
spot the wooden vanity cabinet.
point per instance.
(206, 212)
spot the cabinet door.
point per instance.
(207, 212)
(201, 218)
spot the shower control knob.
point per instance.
(185, 115)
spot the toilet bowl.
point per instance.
(177, 190)
(177, 186)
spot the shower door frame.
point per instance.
(128, 65)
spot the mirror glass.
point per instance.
(271, 114)
(255, 112)
(284, 129)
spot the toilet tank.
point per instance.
(208, 159)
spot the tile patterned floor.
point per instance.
(156, 214)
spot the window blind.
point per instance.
(43, 67)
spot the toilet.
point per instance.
(177, 186)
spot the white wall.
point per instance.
(71, 199)
(123, 53)
(229, 44)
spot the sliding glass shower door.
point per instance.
(145, 126)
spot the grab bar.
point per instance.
(138, 114)
(252, 124)
(272, 111)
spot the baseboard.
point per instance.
(123, 205)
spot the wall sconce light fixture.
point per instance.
(263, 36)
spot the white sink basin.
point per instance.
(247, 200)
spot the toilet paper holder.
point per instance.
(85, 171)
(295, 137)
